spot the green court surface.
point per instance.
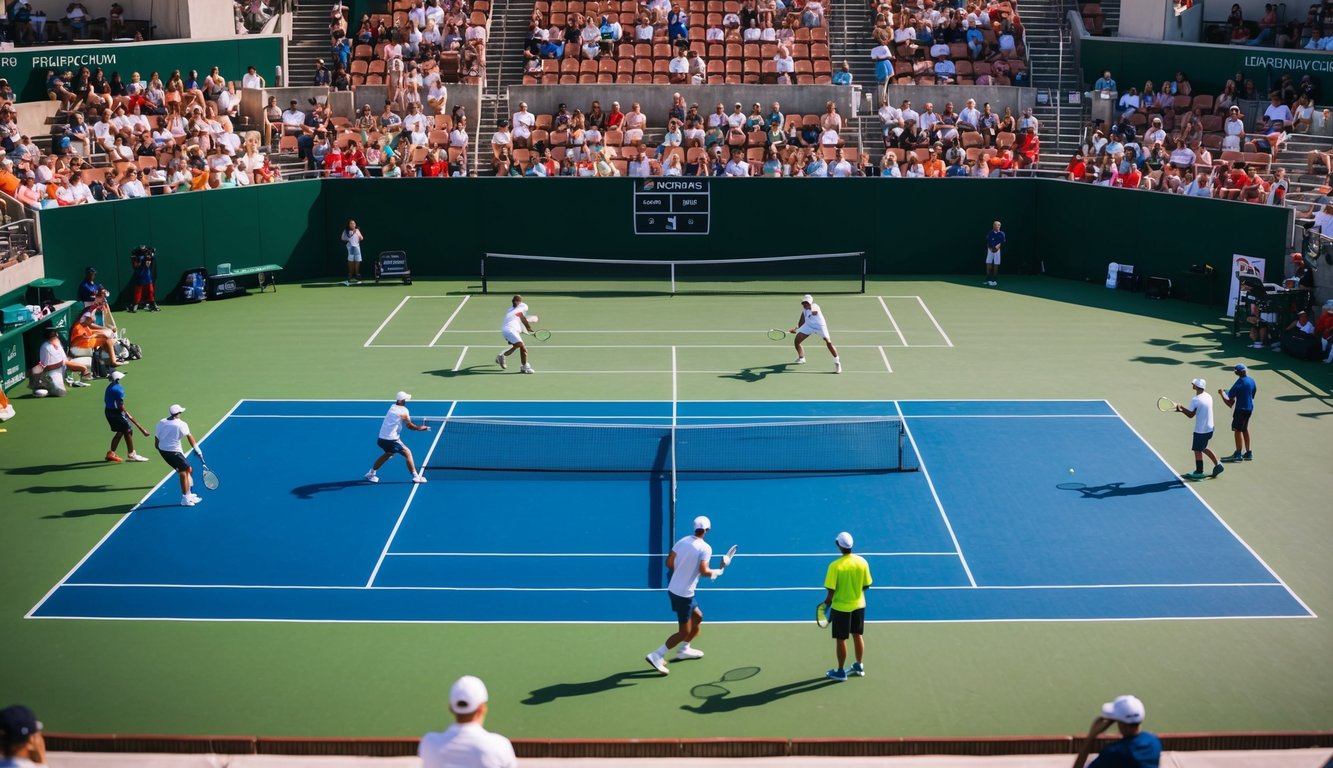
(1031, 338)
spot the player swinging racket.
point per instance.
(812, 323)
(390, 441)
(687, 562)
(515, 323)
(170, 432)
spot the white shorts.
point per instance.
(992, 257)
(815, 330)
(513, 337)
(354, 254)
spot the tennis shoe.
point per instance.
(136, 457)
(186, 501)
(800, 361)
(1194, 475)
(837, 367)
(527, 369)
(418, 478)
(1237, 456)
(371, 477)
(79, 383)
(839, 675)
(689, 653)
(1218, 469)
(111, 456)
(655, 661)
(500, 361)
(1248, 456)
(858, 670)
(194, 497)
(130, 309)
(1257, 345)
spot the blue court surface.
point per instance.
(992, 527)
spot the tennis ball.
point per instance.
(1071, 470)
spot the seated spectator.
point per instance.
(86, 334)
(1272, 141)
(678, 70)
(1129, 102)
(945, 72)
(678, 32)
(1076, 169)
(1027, 149)
(634, 124)
(1267, 27)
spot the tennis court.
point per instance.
(955, 527)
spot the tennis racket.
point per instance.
(210, 477)
(541, 334)
(821, 615)
(1166, 404)
(726, 559)
(776, 334)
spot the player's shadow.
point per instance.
(114, 509)
(567, 690)
(41, 469)
(756, 373)
(1150, 360)
(470, 370)
(78, 488)
(1112, 490)
(726, 701)
(308, 491)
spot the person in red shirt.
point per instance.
(1077, 170)
(1003, 161)
(1130, 180)
(354, 156)
(615, 117)
(1323, 329)
(333, 161)
(1028, 148)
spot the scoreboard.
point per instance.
(671, 206)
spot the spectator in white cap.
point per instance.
(847, 580)
(467, 744)
(1200, 409)
(812, 323)
(1137, 748)
(170, 432)
(21, 742)
(390, 439)
(687, 561)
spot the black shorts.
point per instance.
(1240, 420)
(684, 607)
(845, 624)
(390, 446)
(117, 421)
(175, 460)
(1201, 440)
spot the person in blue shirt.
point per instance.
(1105, 82)
(1240, 399)
(119, 419)
(89, 289)
(994, 239)
(844, 75)
(1137, 748)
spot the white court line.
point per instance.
(64, 579)
(445, 327)
(734, 332)
(386, 321)
(1216, 516)
(459, 364)
(425, 462)
(938, 504)
(929, 314)
(657, 622)
(759, 419)
(1016, 416)
(896, 329)
(896, 587)
(660, 346)
(658, 554)
(885, 356)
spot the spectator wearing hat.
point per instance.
(390, 438)
(1137, 748)
(847, 580)
(171, 431)
(1200, 409)
(89, 289)
(119, 419)
(467, 743)
(1300, 325)
(687, 561)
(52, 365)
(1240, 399)
(21, 742)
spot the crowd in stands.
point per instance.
(980, 43)
(28, 26)
(1175, 140)
(1314, 32)
(423, 41)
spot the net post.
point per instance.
(672, 267)
(483, 273)
(863, 272)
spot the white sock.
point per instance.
(685, 646)
(662, 651)
(371, 473)
(837, 360)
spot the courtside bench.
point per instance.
(227, 283)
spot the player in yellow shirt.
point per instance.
(847, 579)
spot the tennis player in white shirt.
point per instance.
(687, 562)
(390, 438)
(515, 322)
(812, 323)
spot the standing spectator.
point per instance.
(1200, 409)
(847, 579)
(352, 237)
(119, 419)
(21, 742)
(687, 561)
(141, 262)
(1137, 748)
(467, 744)
(390, 441)
(994, 240)
(170, 432)
(1241, 400)
(89, 289)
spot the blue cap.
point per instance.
(1240, 368)
(17, 725)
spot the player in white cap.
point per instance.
(846, 580)
(812, 323)
(390, 440)
(687, 561)
(170, 432)
(1201, 410)
(515, 323)
(467, 744)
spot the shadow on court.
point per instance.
(757, 373)
(725, 701)
(1112, 490)
(41, 469)
(1149, 360)
(568, 690)
(78, 488)
(309, 491)
(471, 370)
(114, 509)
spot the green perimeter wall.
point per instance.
(1208, 67)
(906, 226)
(26, 68)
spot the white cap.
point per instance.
(844, 540)
(175, 409)
(1125, 709)
(402, 397)
(467, 694)
(1200, 383)
(702, 523)
(808, 298)
(116, 376)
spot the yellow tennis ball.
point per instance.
(1071, 470)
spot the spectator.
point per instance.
(466, 743)
(53, 364)
(1136, 748)
(844, 74)
(1324, 330)
(1267, 27)
(21, 742)
(1105, 82)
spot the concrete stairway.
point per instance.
(309, 41)
(504, 67)
(1054, 71)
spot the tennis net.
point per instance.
(817, 273)
(866, 445)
